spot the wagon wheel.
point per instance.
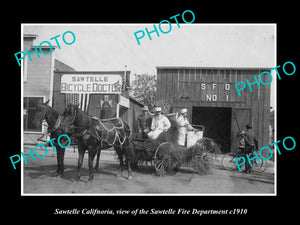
(163, 158)
(203, 161)
(209, 153)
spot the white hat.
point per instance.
(183, 111)
(145, 108)
(157, 109)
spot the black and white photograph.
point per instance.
(150, 111)
(174, 108)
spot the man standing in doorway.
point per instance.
(183, 127)
(144, 122)
(251, 145)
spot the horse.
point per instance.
(53, 119)
(94, 134)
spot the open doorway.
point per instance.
(217, 123)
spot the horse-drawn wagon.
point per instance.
(168, 157)
(93, 134)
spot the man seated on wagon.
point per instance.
(159, 124)
(183, 126)
(144, 122)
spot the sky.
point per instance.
(104, 47)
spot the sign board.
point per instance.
(124, 101)
(208, 91)
(91, 84)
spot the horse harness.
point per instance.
(54, 128)
(113, 129)
(108, 131)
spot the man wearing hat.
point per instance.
(242, 143)
(251, 145)
(144, 122)
(183, 127)
(159, 124)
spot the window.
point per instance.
(29, 109)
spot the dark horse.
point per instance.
(94, 134)
(53, 119)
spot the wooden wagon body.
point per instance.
(168, 157)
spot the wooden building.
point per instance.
(37, 85)
(98, 104)
(42, 82)
(95, 104)
(212, 100)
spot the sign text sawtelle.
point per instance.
(91, 84)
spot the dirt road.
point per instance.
(40, 178)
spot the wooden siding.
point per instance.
(129, 115)
(184, 86)
(38, 76)
(37, 83)
(59, 102)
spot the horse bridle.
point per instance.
(73, 119)
(40, 122)
(57, 123)
(43, 117)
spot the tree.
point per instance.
(143, 89)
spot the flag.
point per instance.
(81, 100)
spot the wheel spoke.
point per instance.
(159, 166)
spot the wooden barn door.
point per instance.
(240, 117)
(217, 122)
